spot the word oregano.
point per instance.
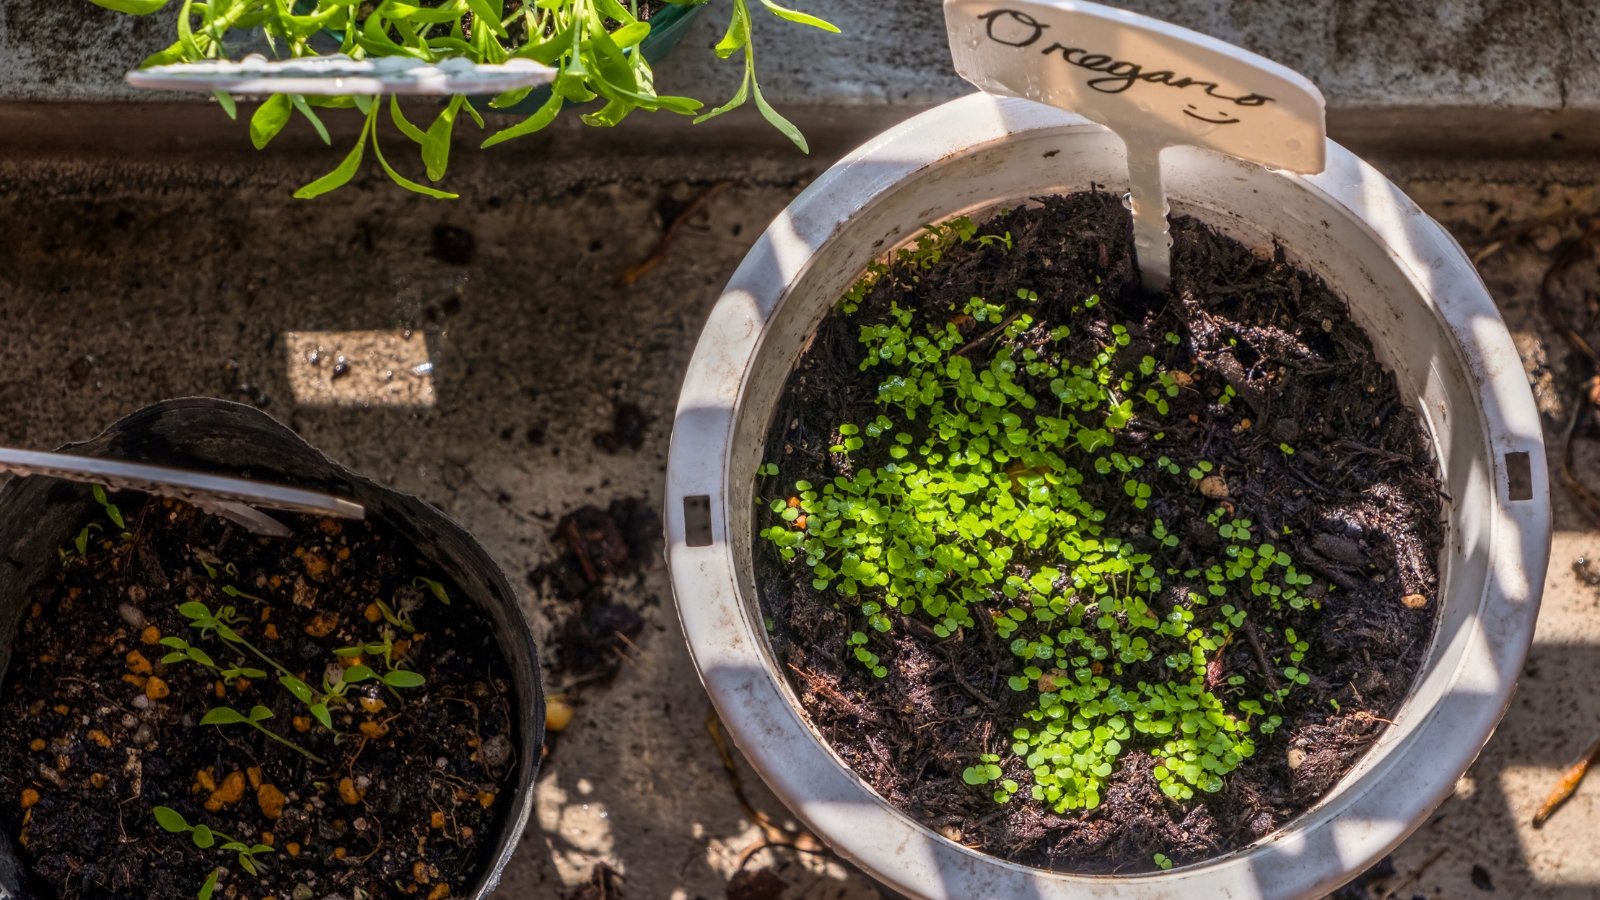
(594, 46)
(967, 497)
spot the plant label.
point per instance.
(1156, 85)
(232, 498)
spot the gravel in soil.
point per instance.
(1357, 503)
(99, 726)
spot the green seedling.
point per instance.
(206, 838)
(399, 618)
(393, 676)
(227, 715)
(183, 651)
(112, 513)
(986, 448)
(81, 542)
(224, 623)
(434, 588)
(594, 45)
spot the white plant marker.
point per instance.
(1152, 83)
(232, 498)
(337, 74)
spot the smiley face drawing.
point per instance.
(1193, 112)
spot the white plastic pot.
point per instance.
(1408, 284)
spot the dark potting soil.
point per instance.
(1357, 503)
(96, 730)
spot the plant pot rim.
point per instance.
(302, 463)
(1386, 795)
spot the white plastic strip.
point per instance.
(338, 74)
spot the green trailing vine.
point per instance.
(976, 498)
(594, 45)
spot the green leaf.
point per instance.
(435, 588)
(210, 885)
(202, 837)
(401, 180)
(223, 715)
(340, 176)
(358, 674)
(541, 117)
(320, 712)
(298, 688)
(800, 17)
(248, 864)
(737, 36)
(225, 100)
(171, 820)
(404, 678)
(194, 609)
(269, 119)
(132, 7)
(436, 157)
(316, 122)
(404, 124)
(260, 713)
(736, 101)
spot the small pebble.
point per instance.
(951, 832)
(496, 751)
(130, 721)
(1297, 757)
(302, 891)
(144, 735)
(1414, 601)
(137, 595)
(141, 702)
(132, 615)
(1214, 487)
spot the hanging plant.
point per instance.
(595, 46)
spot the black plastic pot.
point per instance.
(39, 515)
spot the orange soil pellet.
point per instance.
(439, 892)
(29, 798)
(485, 799)
(100, 737)
(150, 636)
(156, 689)
(36, 744)
(373, 730)
(372, 613)
(338, 853)
(322, 624)
(227, 793)
(347, 791)
(372, 705)
(206, 780)
(316, 566)
(253, 775)
(137, 681)
(98, 780)
(436, 820)
(271, 800)
(292, 848)
(301, 724)
(271, 631)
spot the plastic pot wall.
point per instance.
(39, 515)
(1408, 284)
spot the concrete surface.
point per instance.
(128, 278)
(1364, 54)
